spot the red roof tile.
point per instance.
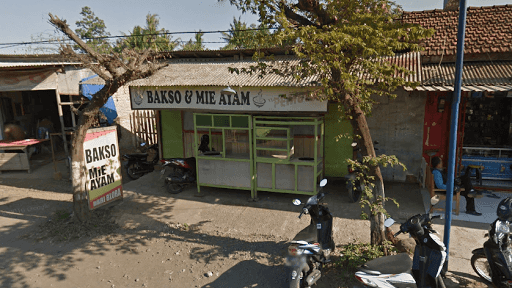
(488, 29)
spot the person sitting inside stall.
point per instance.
(469, 193)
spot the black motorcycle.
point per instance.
(355, 186)
(398, 270)
(493, 262)
(139, 164)
(311, 248)
(183, 170)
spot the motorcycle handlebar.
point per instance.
(396, 234)
(304, 211)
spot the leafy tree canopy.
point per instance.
(148, 37)
(91, 29)
(241, 36)
(339, 41)
(196, 44)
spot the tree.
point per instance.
(117, 69)
(195, 45)
(92, 30)
(240, 36)
(149, 37)
(339, 41)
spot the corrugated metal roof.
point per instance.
(476, 76)
(215, 72)
(35, 64)
(411, 61)
(203, 72)
(481, 88)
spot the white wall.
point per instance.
(122, 101)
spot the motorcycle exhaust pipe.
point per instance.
(313, 277)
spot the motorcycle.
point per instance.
(310, 250)
(141, 163)
(493, 262)
(183, 170)
(355, 186)
(398, 270)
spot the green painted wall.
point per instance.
(336, 151)
(172, 134)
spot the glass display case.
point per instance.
(229, 163)
(278, 168)
(495, 162)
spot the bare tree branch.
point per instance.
(295, 18)
(64, 28)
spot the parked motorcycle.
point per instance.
(493, 262)
(355, 186)
(141, 163)
(398, 270)
(312, 246)
(183, 170)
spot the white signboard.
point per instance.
(210, 98)
(101, 155)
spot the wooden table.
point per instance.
(18, 157)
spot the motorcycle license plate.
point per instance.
(292, 261)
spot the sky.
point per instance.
(26, 20)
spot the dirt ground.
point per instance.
(163, 240)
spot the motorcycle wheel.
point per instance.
(174, 188)
(131, 171)
(481, 267)
(300, 280)
(354, 192)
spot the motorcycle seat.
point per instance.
(394, 264)
(308, 234)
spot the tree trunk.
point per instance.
(360, 127)
(78, 171)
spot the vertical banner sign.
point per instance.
(101, 155)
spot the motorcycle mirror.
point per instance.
(434, 200)
(354, 144)
(296, 202)
(323, 182)
(389, 222)
(142, 144)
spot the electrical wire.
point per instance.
(151, 34)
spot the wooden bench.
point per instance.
(429, 183)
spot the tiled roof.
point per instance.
(488, 30)
(476, 76)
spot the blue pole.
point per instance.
(454, 124)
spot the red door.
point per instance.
(436, 130)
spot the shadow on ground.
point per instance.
(148, 197)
